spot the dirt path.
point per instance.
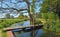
(0, 33)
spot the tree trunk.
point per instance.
(32, 33)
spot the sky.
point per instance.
(17, 6)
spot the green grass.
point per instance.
(4, 34)
(54, 25)
(7, 22)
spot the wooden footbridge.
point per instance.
(10, 30)
(23, 27)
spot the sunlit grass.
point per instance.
(4, 34)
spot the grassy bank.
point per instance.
(4, 34)
(8, 22)
(51, 24)
(49, 33)
(48, 30)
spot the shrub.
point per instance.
(38, 22)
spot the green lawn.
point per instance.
(4, 34)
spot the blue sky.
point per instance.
(18, 6)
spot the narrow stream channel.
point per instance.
(40, 32)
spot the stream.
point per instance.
(40, 32)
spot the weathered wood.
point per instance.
(22, 27)
(10, 34)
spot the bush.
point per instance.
(7, 23)
(38, 22)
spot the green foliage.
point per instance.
(7, 23)
(20, 17)
(38, 22)
(50, 11)
(51, 6)
(51, 15)
(7, 16)
(44, 15)
(4, 34)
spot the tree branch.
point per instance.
(13, 9)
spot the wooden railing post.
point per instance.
(10, 34)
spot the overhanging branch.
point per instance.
(13, 9)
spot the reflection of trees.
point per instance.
(50, 34)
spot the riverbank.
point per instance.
(51, 25)
(3, 33)
(7, 23)
(57, 33)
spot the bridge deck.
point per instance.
(22, 27)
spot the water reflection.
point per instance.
(49, 34)
(26, 23)
(27, 33)
(40, 33)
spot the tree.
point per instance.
(20, 17)
(51, 12)
(51, 6)
(8, 8)
(7, 16)
(11, 17)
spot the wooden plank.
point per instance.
(10, 34)
(21, 27)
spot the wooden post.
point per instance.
(10, 34)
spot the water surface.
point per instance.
(39, 32)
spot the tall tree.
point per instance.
(51, 10)
(51, 6)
